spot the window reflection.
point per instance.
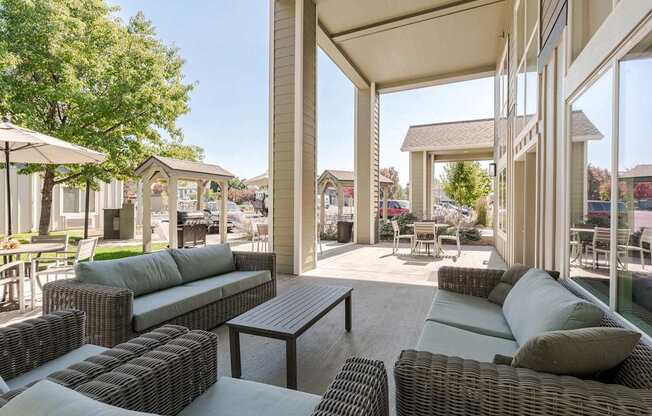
(634, 270)
(531, 81)
(590, 186)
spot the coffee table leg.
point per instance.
(347, 313)
(234, 344)
(291, 363)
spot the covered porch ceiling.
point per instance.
(405, 44)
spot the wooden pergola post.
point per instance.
(224, 194)
(385, 205)
(340, 200)
(200, 194)
(172, 211)
(322, 210)
(147, 214)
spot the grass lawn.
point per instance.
(103, 252)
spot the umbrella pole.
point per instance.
(86, 208)
(8, 190)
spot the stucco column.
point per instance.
(293, 64)
(417, 183)
(428, 187)
(172, 211)
(224, 227)
(147, 215)
(340, 202)
(366, 182)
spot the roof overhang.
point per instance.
(410, 44)
(153, 167)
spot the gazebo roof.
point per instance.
(259, 180)
(469, 134)
(346, 177)
(183, 169)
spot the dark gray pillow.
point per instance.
(202, 262)
(502, 359)
(507, 281)
(141, 274)
(577, 352)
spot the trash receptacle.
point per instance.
(344, 231)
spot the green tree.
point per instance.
(71, 69)
(465, 182)
(395, 191)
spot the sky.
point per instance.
(229, 106)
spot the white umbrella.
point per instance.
(21, 145)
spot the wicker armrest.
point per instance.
(359, 389)
(255, 261)
(161, 381)
(108, 309)
(432, 384)
(31, 343)
(468, 281)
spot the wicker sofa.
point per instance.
(198, 288)
(173, 371)
(454, 375)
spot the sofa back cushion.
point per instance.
(141, 274)
(538, 303)
(507, 281)
(202, 262)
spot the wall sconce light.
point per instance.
(492, 170)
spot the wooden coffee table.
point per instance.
(286, 317)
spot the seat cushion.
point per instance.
(201, 262)
(234, 397)
(234, 282)
(470, 313)
(141, 274)
(538, 303)
(47, 398)
(443, 339)
(65, 361)
(158, 307)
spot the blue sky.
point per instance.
(229, 106)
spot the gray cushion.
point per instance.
(471, 313)
(141, 274)
(47, 398)
(60, 363)
(158, 307)
(201, 262)
(443, 339)
(538, 303)
(509, 278)
(234, 282)
(233, 397)
(578, 352)
(3, 386)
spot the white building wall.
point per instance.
(26, 204)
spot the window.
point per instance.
(502, 200)
(527, 80)
(74, 200)
(502, 109)
(590, 186)
(634, 275)
(531, 82)
(588, 15)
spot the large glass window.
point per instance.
(74, 200)
(531, 81)
(502, 200)
(634, 269)
(591, 122)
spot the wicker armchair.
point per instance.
(434, 384)
(109, 309)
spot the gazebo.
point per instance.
(173, 170)
(340, 179)
(259, 181)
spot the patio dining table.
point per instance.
(437, 250)
(31, 250)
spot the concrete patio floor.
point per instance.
(391, 297)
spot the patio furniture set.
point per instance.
(427, 234)
(494, 342)
(596, 241)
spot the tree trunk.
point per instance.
(46, 201)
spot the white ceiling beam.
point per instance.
(411, 19)
(436, 79)
(340, 59)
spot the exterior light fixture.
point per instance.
(492, 170)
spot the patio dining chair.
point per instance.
(601, 244)
(645, 245)
(425, 233)
(260, 237)
(59, 256)
(13, 275)
(454, 237)
(85, 252)
(398, 237)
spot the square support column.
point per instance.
(418, 184)
(427, 196)
(293, 73)
(172, 211)
(224, 219)
(147, 215)
(366, 182)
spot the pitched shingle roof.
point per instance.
(461, 135)
(187, 166)
(348, 176)
(638, 171)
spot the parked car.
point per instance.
(599, 212)
(395, 207)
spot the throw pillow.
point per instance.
(538, 303)
(500, 359)
(507, 281)
(578, 352)
(46, 398)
